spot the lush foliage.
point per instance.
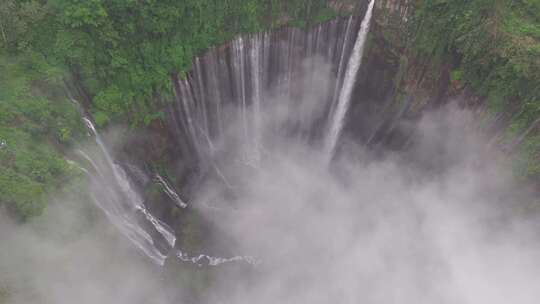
(123, 51)
(34, 117)
(494, 46)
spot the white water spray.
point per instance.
(206, 260)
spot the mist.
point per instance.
(442, 221)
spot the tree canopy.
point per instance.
(120, 54)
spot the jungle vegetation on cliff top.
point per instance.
(121, 53)
(494, 48)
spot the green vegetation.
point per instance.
(118, 55)
(494, 46)
(35, 117)
(122, 53)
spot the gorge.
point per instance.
(312, 161)
(202, 124)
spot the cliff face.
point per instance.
(396, 85)
(387, 83)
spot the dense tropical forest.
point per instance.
(119, 55)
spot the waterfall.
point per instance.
(237, 82)
(112, 191)
(256, 69)
(338, 116)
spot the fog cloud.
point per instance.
(440, 222)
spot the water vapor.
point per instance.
(441, 221)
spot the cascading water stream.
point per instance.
(113, 193)
(123, 206)
(170, 192)
(206, 260)
(337, 119)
